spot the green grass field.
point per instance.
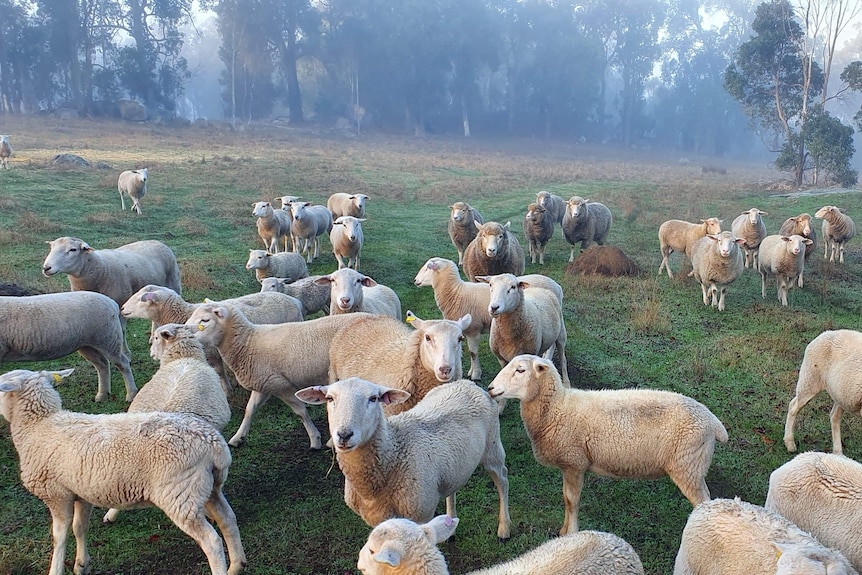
(647, 331)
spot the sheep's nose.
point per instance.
(344, 435)
(493, 309)
(445, 371)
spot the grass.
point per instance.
(646, 331)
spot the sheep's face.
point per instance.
(577, 206)
(298, 209)
(521, 376)
(396, 544)
(271, 284)
(492, 239)
(346, 288)
(352, 227)
(262, 209)
(425, 277)
(39, 385)
(65, 256)
(543, 199)
(804, 223)
(725, 243)
(207, 323)
(795, 244)
(507, 293)
(440, 349)
(257, 260)
(713, 225)
(535, 213)
(359, 202)
(459, 211)
(166, 336)
(754, 216)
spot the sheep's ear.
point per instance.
(507, 225)
(60, 375)
(323, 280)
(367, 281)
(440, 528)
(477, 224)
(411, 317)
(221, 312)
(432, 265)
(523, 284)
(785, 238)
(807, 242)
(739, 241)
(393, 396)
(540, 367)
(85, 247)
(764, 213)
(314, 395)
(389, 553)
(464, 321)
(362, 219)
(10, 386)
(483, 279)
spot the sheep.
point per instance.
(402, 547)
(832, 362)
(401, 466)
(342, 204)
(133, 183)
(554, 204)
(346, 238)
(5, 151)
(524, 321)
(838, 229)
(586, 222)
(270, 360)
(800, 225)
(630, 433)
(309, 222)
(732, 537)
(73, 461)
(384, 350)
(285, 264)
(494, 250)
(750, 227)
(822, 494)
(314, 297)
(538, 229)
(350, 291)
(716, 260)
(50, 326)
(680, 236)
(272, 225)
(462, 226)
(286, 201)
(784, 258)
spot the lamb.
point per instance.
(630, 433)
(272, 225)
(680, 236)
(838, 229)
(271, 360)
(342, 204)
(309, 222)
(750, 227)
(586, 222)
(50, 326)
(716, 261)
(350, 291)
(732, 537)
(801, 226)
(784, 258)
(5, 151)
(494, 250)
(554, 204)
(384, 350)
(401, 547)
(462, 226)
(832, 361)
(73, 461)
(314, 297)
(538, 229)
(346, 238)
(285, 265)
(134, 184)
(401, 466)
(822, 494)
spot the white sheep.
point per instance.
(314, 297)
(309, 222)
(750, 227)
(538, 229)
(73, 461)
(401, 466)
(838, 229)
(462, 226)
(272, 225)
(286, 201)
(822, 494)
(525, 321)
(350, 291)
(402, 547)
(629, 433)
(554, 204)
(284, 265)
(680, 236)
(832, 362)
(384, 350)
(494, 250)
(342, 204)
(784, 258)
(717, 261)
(271, 360)
(801, 226)
(732, 537)
(50, 326)
(134, 184)
(5, 151)
(347, 238)
(586, 222)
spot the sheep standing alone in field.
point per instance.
(134, 184)
(272, 225)
(716, 261)
(538, 229)
(494, 250)
(314, 297)
(630, 433)
(283, 265)
(347, 238)
(401, 466)
(402, 547)
(342, 204)
(5, 152)
(750, 227)
(309, 222)
(732, 537)
(784, 258)
(838, 229)
(350, 291)
(73, 461)
(462, 226)
(554, 204)
(586, 222)
(832, 362)
(680, 236)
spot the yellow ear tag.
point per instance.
(57, 378)
(410, 318)
(201, 327)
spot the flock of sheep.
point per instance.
(408, 427)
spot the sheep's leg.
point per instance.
(111, 515)
(61, 517)
(100, 362)
(705, 294)
(460, 257)
(473, 347)
(356, 263)
(80, 525)
(665, 262)
(835, 421)
(340, 260)
(451, 511)
(219, 510)
(804, 394)
(196, 526)
(826, 251)
(560, 345)
(762, 284)
(123, 204)
(255, 400)
(782, 289)
(495, 464)
(124, 366)
(799, 280)
(573, 483)
(841, 253)
(300, 409)
(572, 254)
(722, 291)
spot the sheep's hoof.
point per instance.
(236, 442)
(102, 397)
(503, 539)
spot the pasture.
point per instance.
(646, 331)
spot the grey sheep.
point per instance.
(494, 250)
(5, 151)
(134, 184)
(314, 296)
(272, 225)
(462, 226)
(784, 258)
(586, 222)
(283, 265)
(554, 204)
(801, 226)
(750, 227)
(680, 236)
(538, 229)
(308, 223)
(717, 261)
(838, 229)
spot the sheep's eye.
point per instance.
(373, 398)
(520, 370)
(73, 250)
(460, 338)
(427, 338)
(327, 398)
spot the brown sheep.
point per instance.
(462, 228)
(495, 250)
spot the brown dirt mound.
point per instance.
(16, 290)
(609, 261)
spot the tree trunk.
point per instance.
(465, 116)
(287, 51)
